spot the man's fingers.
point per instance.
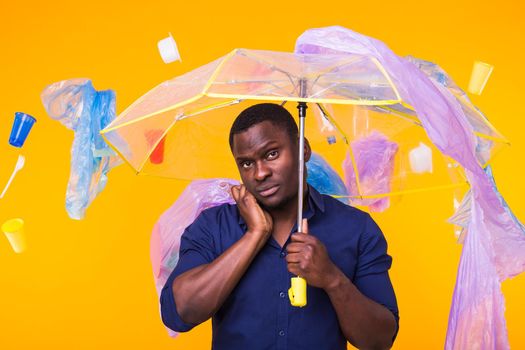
(305, 226)
(242, 191)
(299, 237)
(295, 268)
(293, 258)
(294, 247)
(235, 193)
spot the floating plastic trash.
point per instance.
(421, 159)
(14, 231)
(374, 157)
(480, 75)
(21, 127)
(86, 111)
(168, 50)
(19, 165)
(325, 179)
(153, 136)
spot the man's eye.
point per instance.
(272, 155)
(246, 164)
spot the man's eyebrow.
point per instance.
(264, 148)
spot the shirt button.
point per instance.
(281, 333)
(282, 294)
(283, 254)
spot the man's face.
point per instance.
(268, 164)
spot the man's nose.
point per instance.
(262, 171)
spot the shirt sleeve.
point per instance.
(196, 248)
(371, 276)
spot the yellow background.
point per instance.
(88, 284)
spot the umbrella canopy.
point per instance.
(369, 135)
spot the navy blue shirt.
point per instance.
(258, 314)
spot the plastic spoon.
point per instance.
(19, 165)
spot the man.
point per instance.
(236, 260)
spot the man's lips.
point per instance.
(268, 191)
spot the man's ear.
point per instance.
(307, 150)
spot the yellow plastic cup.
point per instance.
(297, 292)
(14, 231)
(480, 75)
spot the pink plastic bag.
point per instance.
(165, 238)
(494, 247)
(374, 155)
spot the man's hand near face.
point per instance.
(259, 221)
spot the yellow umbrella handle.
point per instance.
(297, 292)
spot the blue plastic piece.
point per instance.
(77, 105)
(324, 178)
(21, 127)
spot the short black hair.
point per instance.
(274, 113)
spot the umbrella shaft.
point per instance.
(302, 114)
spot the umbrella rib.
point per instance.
(272, 66)
(333, 122)
(350, 151)
(385, 74)
(119, 153)
(164, 110)
(351, 61)
(217, 70)
(266, 82)
(247, 81)
(465, 102)
(322, 90)
(208, 108)
(305, 99)
(492, 138)
(416, 190)
(401, 115)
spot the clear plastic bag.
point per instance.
(79, 107)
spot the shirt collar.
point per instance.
(314, 198)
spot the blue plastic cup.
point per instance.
(21, 127)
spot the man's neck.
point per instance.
(288, 212)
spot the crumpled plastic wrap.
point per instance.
(165, 238)
(494, 245)
(79, 107)
(374, 156)
(325, 179)
(479, 293)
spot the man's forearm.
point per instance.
(365, 323)
(201, 291)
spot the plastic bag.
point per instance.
(494, 246)
(165, 238)
(79, 107)
(374, 155)
(324, 178)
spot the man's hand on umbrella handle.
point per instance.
(307, 257)
(258, 220)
